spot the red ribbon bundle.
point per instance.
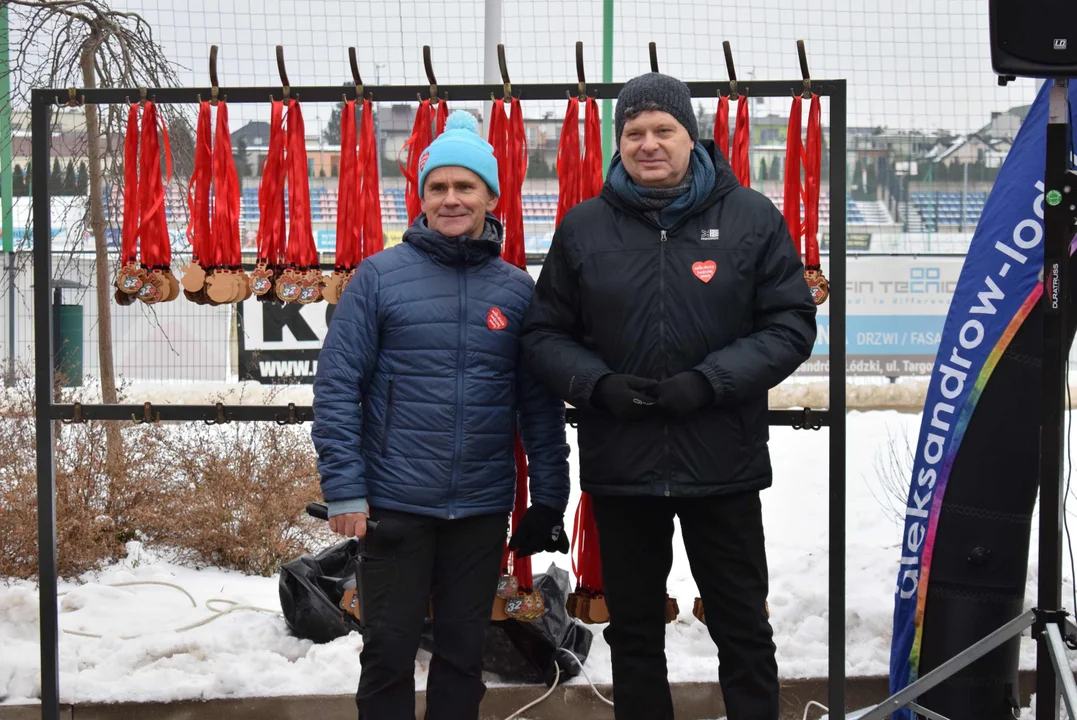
(591, 183)
(721, 125)
(420, 138)
(569, 162)
(793, 160)
(146, 249)
(510, 149)
(742, 167)
(809, 156)
(586, 560)
(226, 245)
(271, 227)
(301, 253)
(349, 247)
(198, 231)
(370, 193)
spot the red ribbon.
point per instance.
(813, 156)
(226, 197)
(154, 244)
(569, 163)
(591, 184)
(793, 160)
(198, 230)
(416, 143)
(271, 233)
(514, 210)
(721, 125)
(349, 249)
(585, 557)
(443, 116)
(129, 239)
(741, 136)
(370, 195)
(301, 252)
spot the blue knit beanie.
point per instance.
(460, 146)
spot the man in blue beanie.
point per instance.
(666, 309)
(417, 399)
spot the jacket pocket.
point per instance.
(388, 421)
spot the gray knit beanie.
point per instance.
(655, 91)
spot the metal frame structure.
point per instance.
(47, 412)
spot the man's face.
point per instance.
(456, 201)
(655, 149)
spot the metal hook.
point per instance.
(148, 416)
(142, 97)
(214, 90)
(356, 77)
(429, 66)
(806, 422)
(291, 419)
(804, 69)
(580, 76)
(221, 419)
(653, 50)
(76, 415)
(728, 49)
(283, 72)
(501, 64)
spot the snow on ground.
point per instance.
(250, 653)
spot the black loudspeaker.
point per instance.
(1034, 38)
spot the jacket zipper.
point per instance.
(460, 363)
(388, 421)
(665, 358)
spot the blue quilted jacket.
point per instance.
(420, 389)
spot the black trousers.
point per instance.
(723, 537)
(456, 563)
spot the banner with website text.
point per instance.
(999, 284)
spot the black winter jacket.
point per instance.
(617, 294)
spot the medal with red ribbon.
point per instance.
(271, 228)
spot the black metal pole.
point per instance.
(412, 93)
(836, 638)
(46, 479)
(1056, 236)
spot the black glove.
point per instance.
(628, 397)
(684, 393)
(541, 529)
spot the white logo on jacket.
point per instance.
(709, 234)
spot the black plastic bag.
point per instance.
(526, 651)
(311, 588)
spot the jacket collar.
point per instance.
(459, 251)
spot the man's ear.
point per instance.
(491, 203)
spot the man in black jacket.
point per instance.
(666, 309)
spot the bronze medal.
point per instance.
(672, 609)
(123, 298)
(131, 278)
(244, 285)
(498, 614)
(697, 610)
(194, 277)
(507, 586)
(347, 278)
(288, 288)
(818, 285)
(597, 612)
(333, 285)
(310, 287)
(152, 290)
(221, 287)
(261, 279)
(173, 287)
(514, 606)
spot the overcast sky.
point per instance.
(910, 63)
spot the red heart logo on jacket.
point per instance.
(495, 320)
(704, 270)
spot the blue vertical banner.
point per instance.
(999, 284)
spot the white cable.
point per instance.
(556, 678)
(217, 614)
(808, 707)
(586, 677)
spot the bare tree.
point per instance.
(85, 43)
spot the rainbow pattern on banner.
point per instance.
(998, 287)
(948, 463)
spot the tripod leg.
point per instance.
(1057, 649)
(920, 710)
(948, 669)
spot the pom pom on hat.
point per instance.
(462, 120)
(460, 145)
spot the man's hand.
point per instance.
(541, 529)
(628, 397)
(684, 393)
(349, 525)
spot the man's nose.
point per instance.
(650, 143)
(450, 198)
